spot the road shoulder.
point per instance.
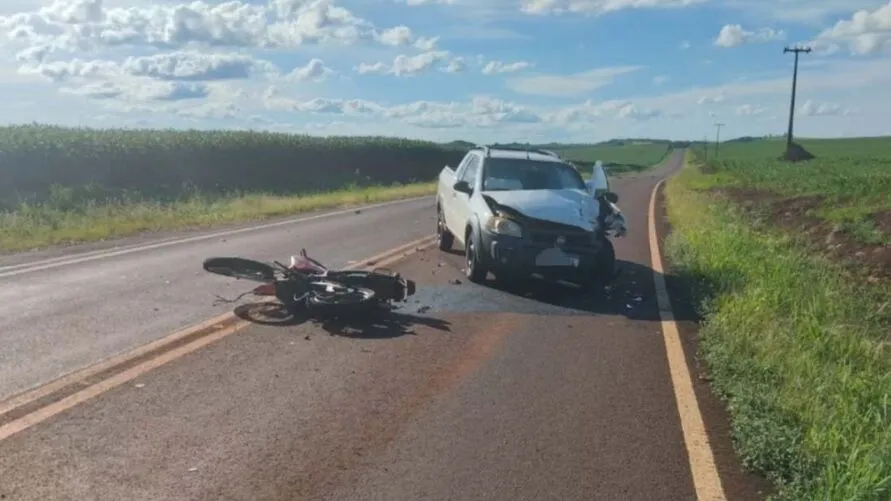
(738, 483)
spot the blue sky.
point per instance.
(483, 70)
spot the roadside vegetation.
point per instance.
(69, 185)
(793, 270)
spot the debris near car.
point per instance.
(519, 212)
(308, 286)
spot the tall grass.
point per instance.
(800, 355)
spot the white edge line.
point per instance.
(706, 480)
(30, 267)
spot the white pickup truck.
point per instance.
(519, 212)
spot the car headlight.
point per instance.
(503, 226)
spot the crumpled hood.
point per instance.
(570, 206)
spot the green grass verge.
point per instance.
(37, 226)
(800, 356)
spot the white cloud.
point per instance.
(814, 109)
(733, 35)
(456, 65)
(315, 70)
(493, 67)
(660, 79)
(569, 85)
(712, 99)
(866, 32)
(406, 65)
(84, 25)
(596, 7)
(750, 110)
(685, 45)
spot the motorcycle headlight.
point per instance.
(503, 226)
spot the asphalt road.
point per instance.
(467, 392)
(55, 320)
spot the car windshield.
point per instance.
(505, 174)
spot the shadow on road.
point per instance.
(379, 323)
(631, 295)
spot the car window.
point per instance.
(459, 169)
(469, 173)
(504, 174)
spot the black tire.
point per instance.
(606, 262)
(474, 268)
(444, 238)
(240, 268)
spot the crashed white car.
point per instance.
(520, 212)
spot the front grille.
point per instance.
(550, 237)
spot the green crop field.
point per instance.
(66, 185)
(626, 158)
(794, 335)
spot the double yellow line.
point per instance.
(27, 409)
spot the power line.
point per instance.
(796, 51)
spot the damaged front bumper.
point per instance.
(573, 258)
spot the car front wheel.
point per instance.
(474, 268)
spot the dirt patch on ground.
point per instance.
(796, 215)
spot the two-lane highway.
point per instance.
(62, 314)
(466, 392)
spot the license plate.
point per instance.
(556, 257)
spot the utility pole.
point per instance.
(796, 51)
(705, 147)
(717, 138)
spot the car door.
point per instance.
(461, 201)
(450, 197)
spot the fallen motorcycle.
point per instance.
(308, 285)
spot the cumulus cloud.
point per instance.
(733, 35)
(144, 92)
(87, 25)
(403, 65)
(867, 32)
(540, 7)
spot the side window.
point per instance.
(469, 174)
(459, 170)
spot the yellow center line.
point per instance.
(706, 480)
(219, 328)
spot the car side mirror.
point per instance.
(463, 187)
(611, 197)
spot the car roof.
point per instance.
(530, 154)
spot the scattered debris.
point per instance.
(193, 469)
(307, 337)
(423, 309)
(358, 211)
(139, 385)
(455, 282)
